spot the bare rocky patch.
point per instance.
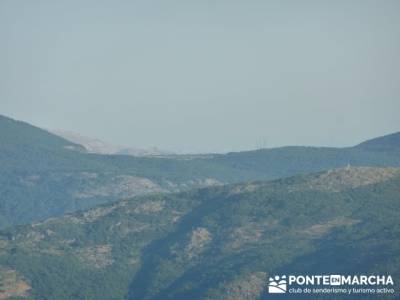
(244, 188)
(317, 230)
(97, 213)
(350, 177)
(248, 234)
(244, 236)
(123, 186)
(30, 180)
(199, 238)
(149, 207)
(3, 244)
(12, 284)
(98, 256)
(125, 227)
(30, 239)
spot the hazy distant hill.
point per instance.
(214, 243)
(98, 146)
(43, 175)
(387, 142)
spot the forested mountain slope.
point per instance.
(43, 175)
(213, 243)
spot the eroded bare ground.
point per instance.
(12, 284)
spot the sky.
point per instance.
(204, 76)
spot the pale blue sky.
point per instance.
(204, 75)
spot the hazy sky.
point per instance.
(206, 75)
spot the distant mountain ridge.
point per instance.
(42, 175)
(386, 142)
(13, 132)
(93, 145)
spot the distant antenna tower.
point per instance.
(265, 144)
(261, 144)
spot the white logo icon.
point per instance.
(277, 285)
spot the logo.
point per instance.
(277, 285)
(331, 284)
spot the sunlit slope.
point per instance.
(213, 243)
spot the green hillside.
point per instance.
(43, 175)
(214, 243)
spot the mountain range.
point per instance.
(44, 175)
(93, 145)
(82, 225)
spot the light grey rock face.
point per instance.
(93, 145)
(29, 180)
(199, 238)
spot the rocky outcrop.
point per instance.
(349, 177)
